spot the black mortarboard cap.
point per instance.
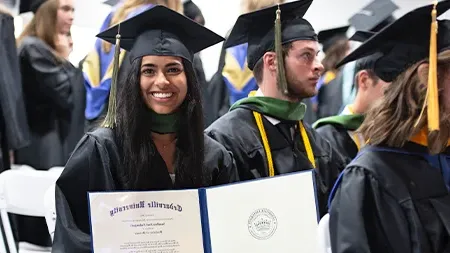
(330, 36)
(361, 36)
(404, 42)
(30, 5)
(374, 16)
(257, 29)
(161, 31)
(191, 10)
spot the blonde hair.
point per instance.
(254, 5)
(400, 108)
(129, 5)
(43, 26)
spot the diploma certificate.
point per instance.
(151, 222)
(277, 214)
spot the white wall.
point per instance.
(220, 16)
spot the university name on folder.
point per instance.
(277, 214)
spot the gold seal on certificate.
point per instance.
(254, 216)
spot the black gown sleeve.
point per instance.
(88, 169)
(364, 217)
(239, 154)
(220, 162)
(340, 140)
(49, 74)
(12, 106)
(228, 172)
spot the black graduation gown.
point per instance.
(390, 202)
(217, 101)
(238, 132)
(339, 138)
(47, 87)
(93, 167)
(330, 97)
(76, 121)
(14, 130)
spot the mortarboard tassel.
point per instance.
(281, 75)
(110, 119)
(433, 97)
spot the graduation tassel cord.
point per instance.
(281, 75)
(432, 96)
(110, 119)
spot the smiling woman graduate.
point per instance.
(152, 138)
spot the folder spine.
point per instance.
(205, 221)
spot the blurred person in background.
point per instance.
(14, 130)
(373, 17)
(47, 77)
(336, 46)
(340, 130)
(337, 88)
(233, 79)
(77, 119)
(97, 66)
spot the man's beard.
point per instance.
(298, 93)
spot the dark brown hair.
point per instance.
(400, 107)
(259, 66)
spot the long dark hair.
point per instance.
(137, 147)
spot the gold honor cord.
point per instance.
(265, 140)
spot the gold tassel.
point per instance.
(281, 74)
(110, 119)
(433, 97)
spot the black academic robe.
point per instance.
(330, 97)
(76, 121)
(217, 100)
(94, 167)
(14, 130)
(48, 94)
(238, 132)
(47, 86)
(340, 139)
(390, 202)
